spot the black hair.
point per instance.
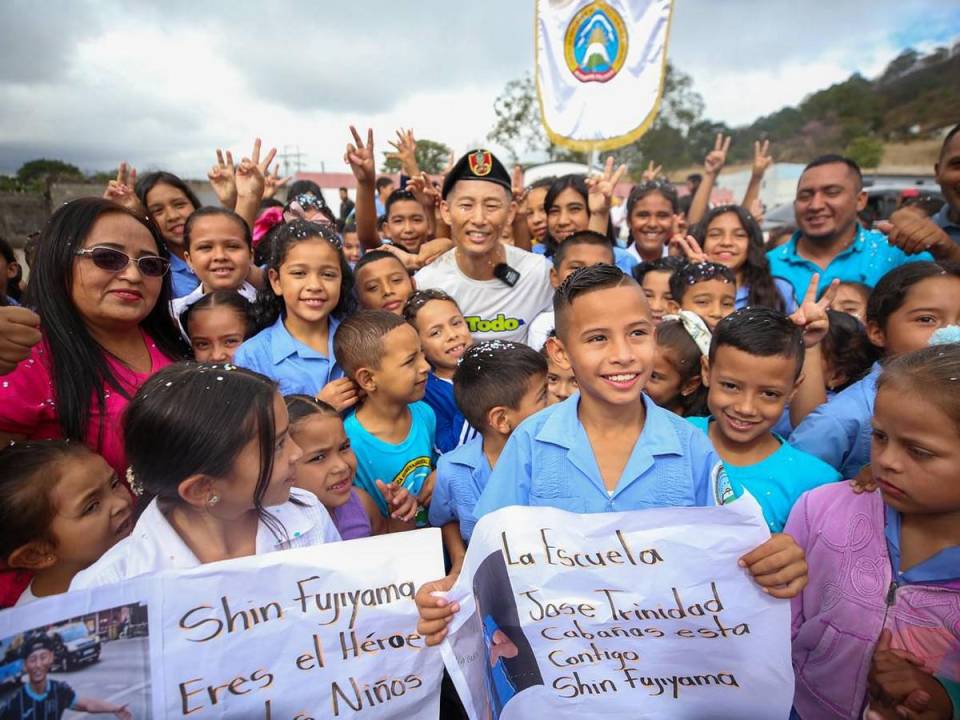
(349, 228)
(833, 158)
(147, 182)
(891, 291)
(648, 187)
(270, 202)
(303, 187)
(671, 334)
(382, 182)
(210, 211)
(692, 273)
(342, 189)
(13, 284)
(192, 419)
(930, 373)
(420, 298)
(668, 264)
(399, 195)
(269, 306)
(947, 138)
(221, 298)
(847, 349)
(373, 256)
(381, 221)
(300, 407)
(78, 364)
(860, 287)
(586, 280)
(762, 332)
(574, 182)
(583, 237)
(491, 374)
(544, 182)
(27, 482)
(756, 276)
(359, 339)
(695, 178)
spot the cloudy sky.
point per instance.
(94, 82)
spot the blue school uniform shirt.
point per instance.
(407, 463)
(783, 287)
(942, 219)
(462, 475)
(777, 481)
(868, 259)
(452, 429)
(838, 432)
(182, 278)
(296, 367)
(548, 461)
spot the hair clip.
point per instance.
(136, 487)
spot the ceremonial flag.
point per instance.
(600, 69)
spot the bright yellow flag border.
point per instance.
(606, 143)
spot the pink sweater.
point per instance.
(851, 597)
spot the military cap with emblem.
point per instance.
(477, 164)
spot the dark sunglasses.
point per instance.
(114, 261)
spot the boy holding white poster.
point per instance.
(609, 448)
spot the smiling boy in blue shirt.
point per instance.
(755, 368)
(609, 448)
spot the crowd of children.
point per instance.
(188, 384)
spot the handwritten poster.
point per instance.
(322, 632)
(642, 614)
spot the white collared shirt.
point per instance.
(154, 544)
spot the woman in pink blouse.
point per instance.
(100, 285)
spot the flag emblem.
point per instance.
(595, 43)
(481, 163)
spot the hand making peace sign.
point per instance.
(812, 313)
(122, 190)
(251, 173)
(717, 157)
(360, 158)
(222, 177)
(600, 188)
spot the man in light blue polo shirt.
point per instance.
(830, 241)
(947, 172)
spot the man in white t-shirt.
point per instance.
(500, 288)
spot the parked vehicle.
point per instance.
(74, 646)
(11, 665)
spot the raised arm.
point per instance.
(222, 177)
(762, 160)
(712, 165)
(600, 194)
(121, 190)
(405, 152)
(251, 182)
(360, 159)
(812, 317)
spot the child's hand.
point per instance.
(715, 160)
(864, 481)
(426, 492)
(779, 566)
(360, 158)
(121, 190)
(249, 176)
(222, 177)
(600, 188)
(340, 394)
(900, 688)
(812, 313)
(652, 172)
(123, 713)
(435, 612)
(687, 246)
(403, 505)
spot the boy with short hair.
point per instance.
(497, 385)
(707, 289)
(41, 698)
(382, 282)
(581, 249)
(753, 371)
(392, 431)
(610, 448)
(407, 222)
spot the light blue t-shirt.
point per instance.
(869, 257)
(407, 463)
(838, 432)
(182, 278)
(462, 475)
(548, 461)
(777, 481)
(296, 367)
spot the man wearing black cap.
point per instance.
(41, 698)
(500, 288)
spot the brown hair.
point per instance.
(359, 339)
(673, 336)
(932, 373)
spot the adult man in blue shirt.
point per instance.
(947, 172)
(830, 240)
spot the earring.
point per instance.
(214, 499)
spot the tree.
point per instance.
(900, 64)
(866, 151)
(37, 172)
(432, 157)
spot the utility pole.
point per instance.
(287, 155)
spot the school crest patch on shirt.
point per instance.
(723, 491)
(481, 163)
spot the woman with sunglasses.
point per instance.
(100, 283)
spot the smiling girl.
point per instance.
(170, 201)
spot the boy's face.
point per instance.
(443, 333)
(656, 286)
(38, 664)
(577, 257)
(747, 393)
(607, 341)
(407, 224)
(712, 300)
(561, 383)
(384, 285)
(534, 400)
(402, 375)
